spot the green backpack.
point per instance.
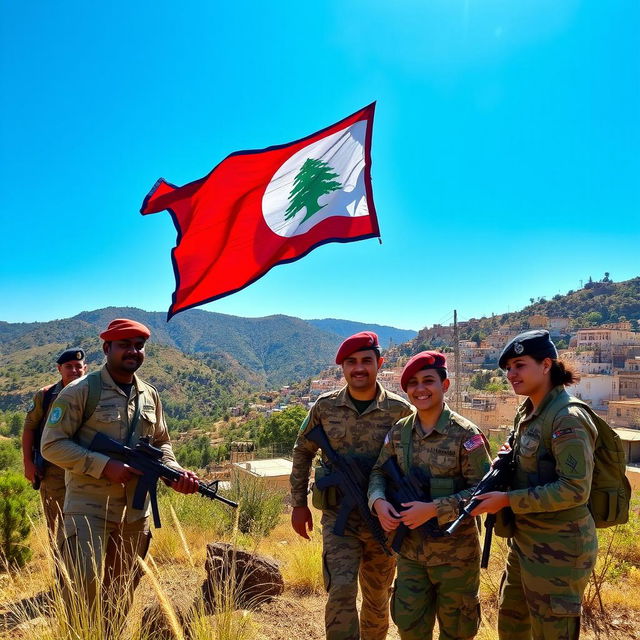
(610, 489)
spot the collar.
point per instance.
(527, 410)
(441, 425)
(109, 382)
(379, 402)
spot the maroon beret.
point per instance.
(122, 328)
(422, 360)
(357, 342)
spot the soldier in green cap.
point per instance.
(438, 575)
(553, 543)
(49, 478)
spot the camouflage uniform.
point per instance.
(356, 554)
(52, 482)
(438, 576)
(104, 533)
(554, 544)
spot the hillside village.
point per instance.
(606, 356)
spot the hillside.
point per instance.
(189, 386)
(596, 304)
(272, 351)
(346, 328)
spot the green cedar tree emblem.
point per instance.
(314, 179)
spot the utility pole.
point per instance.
(457, 395)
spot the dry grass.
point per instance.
(175, 573)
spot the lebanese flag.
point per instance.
(261, 208)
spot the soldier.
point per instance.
(553, 543)
(49, 477)
(104, 533)
(437, 575)
(355, 419)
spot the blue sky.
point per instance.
(505, 147)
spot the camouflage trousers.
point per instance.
(548, 568)
(52, 492)
(100, 558)
(347, 559)
(446, 591)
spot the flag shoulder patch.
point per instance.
(474, 442)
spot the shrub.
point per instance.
(16, 505)
(259, 507)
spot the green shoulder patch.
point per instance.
(304, 424)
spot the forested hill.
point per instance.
(189, 386)
(346, 328)
(595, 304)
(266, 352)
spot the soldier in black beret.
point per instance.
(536, 344)
(545, 512)
(43, 475)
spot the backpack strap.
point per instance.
(94, 381)
(405, 441)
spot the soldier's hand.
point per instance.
(388, 516)
(188, 483)
(301, 521)
(30, 472)
(119, 472)
(417, 513)
(491, 502)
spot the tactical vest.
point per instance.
(610, 489)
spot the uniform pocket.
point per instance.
(568, 605)
(106, 415)
(148, 422)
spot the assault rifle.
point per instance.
(498, 478)
(409, 487)
(147, 458)
(347, 475)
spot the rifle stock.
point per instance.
(146, 458)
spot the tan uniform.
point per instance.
(52, 482)
(438, 576)
(102, 529)
(356, 554)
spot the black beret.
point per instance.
(536, 344)
(70, 354)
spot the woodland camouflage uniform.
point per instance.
(438, 576)
(356, 555)
(52, 482)
(554, 544)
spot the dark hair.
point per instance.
(561, 373)
(441, 371)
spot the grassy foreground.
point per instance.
(31, 606)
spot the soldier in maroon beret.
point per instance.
(355, 420)
(438, 575)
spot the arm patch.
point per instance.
(474, 442)
(562, 432)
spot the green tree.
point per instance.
(15, 425)
(15, 520)
(314, 179)
(10, 457)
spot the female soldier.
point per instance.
(553, 541)
(437, 575)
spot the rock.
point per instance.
(237, 578)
